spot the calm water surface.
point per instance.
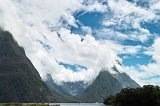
(77, 104)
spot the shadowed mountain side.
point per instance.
(53, 86)
(104, 85)
(125, 79)
(19, 80)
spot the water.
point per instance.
(77, 104)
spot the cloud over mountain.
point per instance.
(86, 33)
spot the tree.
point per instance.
(110, 100)
(149, 95)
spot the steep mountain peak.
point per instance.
(110, 70)
(19, 79)
(118, 62)
(107, 84)
(115, 69)
(123, 77)
(104, 85)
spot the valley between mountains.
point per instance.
(21, 82)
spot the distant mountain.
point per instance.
(53, 86)
(74, 88)
(19, 80)
(108, 83)
(104, 85)
(67, 88)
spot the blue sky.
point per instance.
(94, 20)
(74, 40)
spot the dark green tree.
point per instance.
(149, 95)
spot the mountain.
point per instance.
(75, 88)
(104, 85)
(108, 83)
(53, 86)
(67, 88)
(124, 79)
(19, 80)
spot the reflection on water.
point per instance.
(77, 104)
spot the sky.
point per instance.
(74, 39)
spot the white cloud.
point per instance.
(128, 8)
(35, 26)
(130, 16)
(29, 21)
(95, 6)
(155, 5)
(147, 74)
(86, 29)
(18, 16)
(132, 50)
(154, 50)
(126, 20)
(90, 53)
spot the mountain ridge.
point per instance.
(19, 79)
(105, 84)
(21, 82)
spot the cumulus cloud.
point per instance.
(132, 50)
(127, 20)
(94, 6)
(149, 73)
(89, 53)
(154, 51)
(92, 54)
(31, 23)
(43, 29)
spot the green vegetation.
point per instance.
(19, 80)
(26, 104)
(148, 95)
(23, 104)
